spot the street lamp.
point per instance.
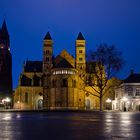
(6, 102)
(108, 101)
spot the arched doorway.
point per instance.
(87, 104)
(137, 107)
(40, 104)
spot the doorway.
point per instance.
(40, 104)
(87, 104)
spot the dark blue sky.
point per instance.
(111, 21)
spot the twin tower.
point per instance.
(80, 60)
(62, 86)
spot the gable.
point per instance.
(64, 54)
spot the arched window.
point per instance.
(47, 51)
(64, 83)
(53, 83)
(26, 97)
(47, 59)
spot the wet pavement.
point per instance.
(69, 125)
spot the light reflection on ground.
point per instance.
(69, 125)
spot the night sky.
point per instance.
(101, 21)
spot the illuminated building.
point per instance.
(127, 95)
(55, 82)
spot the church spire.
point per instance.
(4, 35)
(80, 36)
(48, 36)
(4, 27)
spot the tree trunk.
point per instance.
(101, 105)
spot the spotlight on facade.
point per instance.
(108, 100)
(124, 99)
(128, 102)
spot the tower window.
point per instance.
(80, 51)
(47, 59)
(53, 83)
(80, 59)
(47, 52)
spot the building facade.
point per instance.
(127, 95)
(60, 85)
(29, 93)
(5, 64)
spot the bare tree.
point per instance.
(103, 64)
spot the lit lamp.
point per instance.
(19, 105)
(108, 101)
(124, 99)
(7, 100)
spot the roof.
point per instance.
(48, 36)
(80, 36)
(63, 64)
(4, 28)
(65, 56)
(132, 78)
(33, 66)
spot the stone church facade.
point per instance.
(55, 82)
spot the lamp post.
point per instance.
(108, 101)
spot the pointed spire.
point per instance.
(4, 27)
(80, 36)
(4, 30)
(4, 35)
(48, 36)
